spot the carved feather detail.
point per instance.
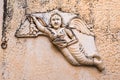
(80, 26)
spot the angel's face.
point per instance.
(56, 21)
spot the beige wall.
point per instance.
(1, 52)
(31, 59)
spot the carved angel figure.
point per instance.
(66, 39)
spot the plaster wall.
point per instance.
(38, 59)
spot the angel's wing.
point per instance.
(84, 35)
(80, 25)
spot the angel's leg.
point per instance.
(69, 57)
(79, 56)
(82, 58)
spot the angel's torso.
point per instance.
(58, 34)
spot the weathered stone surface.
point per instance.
(38, 59)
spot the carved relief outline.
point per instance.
(73, 24)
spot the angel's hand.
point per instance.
(32, 16)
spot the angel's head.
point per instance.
(56, 21)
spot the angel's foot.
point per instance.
(97, 56)
(99, 64)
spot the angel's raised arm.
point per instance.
(39, 25)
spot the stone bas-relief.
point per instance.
(34, 57)
(67, 32)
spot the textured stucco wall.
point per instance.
(1, 52)
(38, 59)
